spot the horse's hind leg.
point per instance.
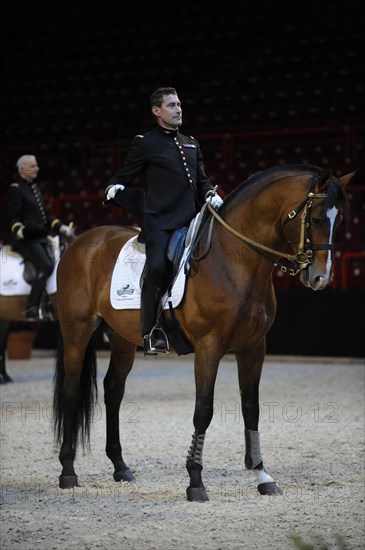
(121, 363)
(249, 374)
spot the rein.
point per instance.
(304, 256)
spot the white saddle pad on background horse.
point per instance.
(12, 282)
(125, 291)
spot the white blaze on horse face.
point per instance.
(319, 281)
(331, 215)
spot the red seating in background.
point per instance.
(353, 270)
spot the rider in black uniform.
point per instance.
(31, 221)
(177, 187)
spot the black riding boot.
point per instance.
(33, 311)
(154, 340)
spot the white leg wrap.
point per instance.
(263, 476)
(253, 451)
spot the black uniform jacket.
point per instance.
(175, 177)
(25, 206)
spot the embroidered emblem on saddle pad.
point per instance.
(125, 291)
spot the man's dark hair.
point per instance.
(156, 98)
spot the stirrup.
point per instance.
(33, 313)
(153, 344)
(47, 312)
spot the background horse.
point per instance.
(13, 304)
(229, 306)
(12, 309)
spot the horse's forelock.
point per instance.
(325, 182)
(336, 196)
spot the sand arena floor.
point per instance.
(312, 436)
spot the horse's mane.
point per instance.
(261, 179)
(270, 175)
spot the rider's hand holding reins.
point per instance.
(213, 199)
(67, 230)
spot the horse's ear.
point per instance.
(347, 178)
(323, 179)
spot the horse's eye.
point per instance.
(315, 221)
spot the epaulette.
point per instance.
(15, 184)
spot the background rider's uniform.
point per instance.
(26, 209)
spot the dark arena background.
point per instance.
(261, 83)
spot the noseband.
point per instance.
(304, 256)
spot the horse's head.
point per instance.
(321, 212)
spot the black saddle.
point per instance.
(175, 249)
(29, 272)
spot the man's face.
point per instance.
(29, 170)
(169, 115)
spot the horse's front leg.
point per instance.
(121, 363)
(206, 367)
(249, 374)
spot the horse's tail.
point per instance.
(86, 396)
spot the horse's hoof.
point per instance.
(124, 475)
(270, 488)
(196, 494)
(68, 482)
(5, 379)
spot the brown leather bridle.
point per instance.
(304, 255)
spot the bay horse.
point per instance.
(229, 306)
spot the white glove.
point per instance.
(67, 230)
(215, 201)
(113, 190)
(20, 233)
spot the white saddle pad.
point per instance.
(12, 282)
(125, 291)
